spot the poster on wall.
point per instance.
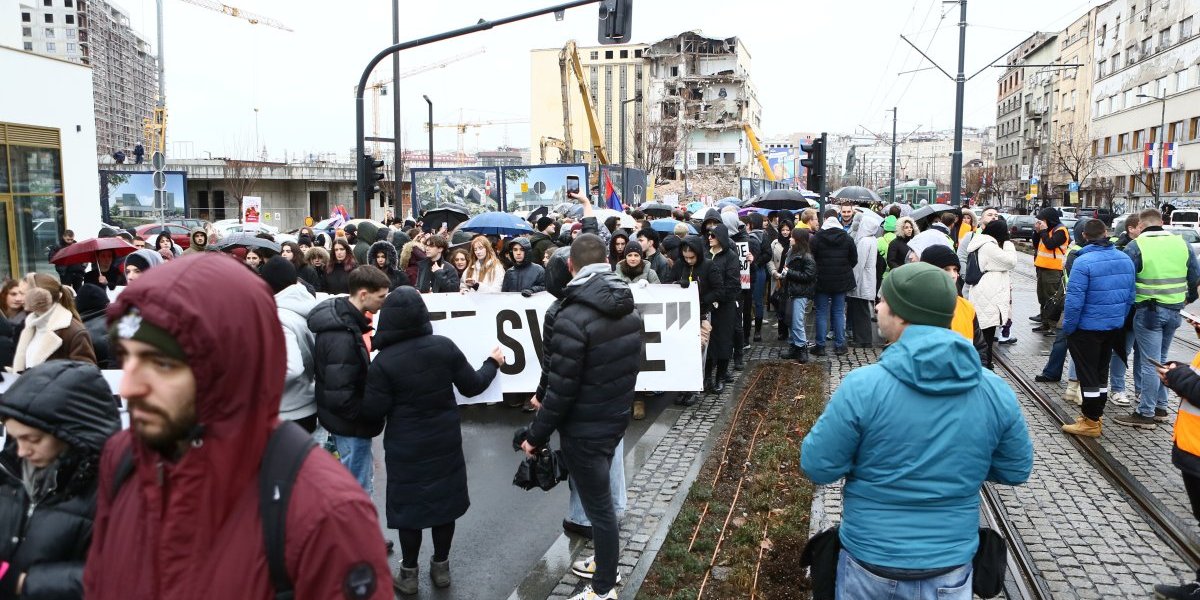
(530, 187)
(251, 213)
(476, 188)
(783, 164)
(127, 198)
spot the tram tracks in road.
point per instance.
(1174, 532)
(1026, 583)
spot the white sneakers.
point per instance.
(588, 594)
(586, 569)
(1073, 393)
(1119, 398)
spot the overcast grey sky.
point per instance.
(818, 66)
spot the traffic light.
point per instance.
(814, 165)
(616, 21)
(373, 169)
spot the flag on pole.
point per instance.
(1148, 156)
(610, 193)
(1168, 155)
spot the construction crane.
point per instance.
(568, 61)
(768, 173)
(379, 88)
(462, 127)
(154, 127)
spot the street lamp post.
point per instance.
(624, 170)
(1162, 128)
(430, 103)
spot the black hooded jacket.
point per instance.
(442, 281)
(48, 540)
(526, 275)
(596, 348)
(699, 274)
(8, 342)
(1053, 236)
(341, 360)
(397, 276)
(726, 267)
(411, 383)
(836, 255)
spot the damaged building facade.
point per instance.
(698, 99)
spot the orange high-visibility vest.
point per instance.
(1051, 259)
(1187, 423)
(964, 319)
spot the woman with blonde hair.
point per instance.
(53, 329)
(484, 271)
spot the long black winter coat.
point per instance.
(596, 350)
(314, 277)
(699, 274)
(411, 383)
(801, 276)
(527, 275)
(340, 359)
(72, 402)
(443, 281)
(97, 328)
(836, 255)
(726, 273)
(337, 279)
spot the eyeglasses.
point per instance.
(712, 236)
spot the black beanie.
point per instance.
(279, 273)
(543, 223)
(940, 256)
(137, 260)
(90, 298)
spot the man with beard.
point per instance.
(178, 512)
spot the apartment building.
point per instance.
(1023, 105)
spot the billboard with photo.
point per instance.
(783, 164)
(751, 187)
(529, 187)
(477, 188)
(127, 198)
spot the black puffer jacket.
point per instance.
(597, 327)
(801, 276)
(526, 275)
(411, 383)
(834, 251)
(699, 274)
(312, 277)
(96, 324)
(726, 267)
(442, 281)
(72, 402)
(397, 276)
(341, 362)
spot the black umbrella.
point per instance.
(856, 193)
(925, 212)
(450, 214)
(563, 208)
(245, 240)
(538, 213)
(780, 199)
(656, 209)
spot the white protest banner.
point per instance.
(743, 249)
(479, 322)
(251, 213)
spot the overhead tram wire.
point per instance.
(933, 37)
(892, 55)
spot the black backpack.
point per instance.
(286, 450)
(972, 274)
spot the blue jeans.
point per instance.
(854, 582)
(758, 286)
(616, 487)
(1057, 358)
(355, 454)
(838, 304)
(1154, 328)
(1117, 369)
(799, 306)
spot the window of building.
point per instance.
(1185, 29)
(1108, 145)
(35, 185)
(700, 156)
(68, 3)
(26, 32)
(1160, 86)
(25, 18)
(1193, 127)
(1095, 147)
(1164, 38)
(1170, 181)
(730, 158)
(70, 34)
(624, 54)
(1137, 138)
(49, 32)
(637, 53)
(47, 2)
(1153, 135)
(1175, 131)
(50, 47)
(1119, 183)
(674, 71)
(1147, 46)
(29, 46)
(1099, 108)
(608, 54)
(72, 48)
(1193, 181)
(48, 17)
(1115, 63)
(1130, 54)
(70, 19)
(1122, 142)
(1100, 68)
(594, 55)
(1181, 80)
(1141, 90)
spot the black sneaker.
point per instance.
(738, 364)
(840, 350)
(758, 337)
(1136, 420)
(1036, 318)
(1044, 379)
(1038, 328)
(577, 529)
(1187, 591)
(818, 351)
(1161, 415)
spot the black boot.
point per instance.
(719, 384)
(801, 354)
(709, 384)
(788, 354)
(738, 365)
(687, 399)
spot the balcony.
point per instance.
(1034, 112)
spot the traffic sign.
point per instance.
(308, 221)
(160, 180)
(158, 160)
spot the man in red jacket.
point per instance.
(203, 361)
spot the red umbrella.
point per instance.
(85, 252)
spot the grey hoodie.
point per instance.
(299, 393)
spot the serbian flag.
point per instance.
(1168, 155)
(1148, 156)
(610, 193)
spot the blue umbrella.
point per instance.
(668, 226)
(497, 223)
(728, 201)
(695, 207)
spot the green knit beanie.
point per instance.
(133, 327)
(921, 294)
(889, 224)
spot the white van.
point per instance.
(1186, 217)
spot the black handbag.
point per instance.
(545, 470)
(989, 564)
(820, 555)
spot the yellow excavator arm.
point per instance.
(768, 173)
(569, 57)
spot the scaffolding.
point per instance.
(124, 75)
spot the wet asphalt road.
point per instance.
(507, 530)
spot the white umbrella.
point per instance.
(623, 220)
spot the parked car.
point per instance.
(1067, 211)
(189, 223)
(1020, 227)
(1191, 236)
(182, 236)
(227, 226)
(1096, 212)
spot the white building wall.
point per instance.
(57, 93)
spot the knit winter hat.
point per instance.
(90, 298)
(633, 247)
(144, 259)
(543, 223)
(921, 294)
(940, 256)
(133, 327)
(889, 224)
(279, 273)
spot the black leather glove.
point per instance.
(526, 293)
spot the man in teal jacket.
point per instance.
(915, 436)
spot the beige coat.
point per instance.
(62, 337)
(992, 296)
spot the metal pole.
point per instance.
(623, 186)
(1162, 138)
(960, 86)
(892, 189)
(430, 103)
(396, 174)
(359, 108)
(162, 72)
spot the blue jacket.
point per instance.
(916, 435)
(1099, 290)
